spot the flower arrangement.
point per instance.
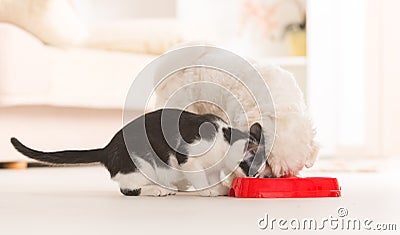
(274, 27)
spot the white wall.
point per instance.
(354, 76)
(215, 20)
(390, 85)
(336, 71)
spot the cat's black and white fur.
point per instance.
(153, 136)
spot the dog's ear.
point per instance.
(256, 132)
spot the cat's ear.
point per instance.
(256, 132)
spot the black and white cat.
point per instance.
(163, 154)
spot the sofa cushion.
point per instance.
(32, 73)
(56, 23)
(52, 21)
(151, 36)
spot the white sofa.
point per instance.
(36, 74)
(53, 97)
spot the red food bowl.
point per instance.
(292, 187)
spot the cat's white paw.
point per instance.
(156, 191)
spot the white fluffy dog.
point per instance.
(293, 146)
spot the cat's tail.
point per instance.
(61, 157)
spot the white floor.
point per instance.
(84, 201)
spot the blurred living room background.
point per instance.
(66, 65)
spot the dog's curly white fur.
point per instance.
(293, 143)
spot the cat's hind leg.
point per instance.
(148, 190)
(131, 184)
(131, 192)
(135, 184)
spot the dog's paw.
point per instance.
(211, 193)
(208, 193)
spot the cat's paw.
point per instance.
(156, 191)
(165, 192)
